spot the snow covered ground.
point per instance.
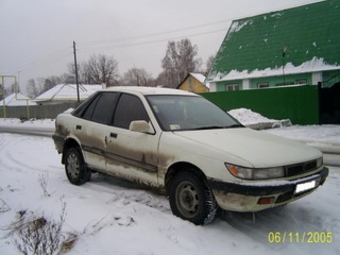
(111, 216)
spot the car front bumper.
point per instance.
(251, 197)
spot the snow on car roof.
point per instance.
(150, 90)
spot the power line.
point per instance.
(96, 43)
(84, 47)
(125, 45)
(91, 43)
(58, 55)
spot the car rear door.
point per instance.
(92, 126)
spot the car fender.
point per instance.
(210, 161)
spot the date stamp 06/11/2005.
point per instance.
(300, 237)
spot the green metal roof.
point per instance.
(303, 39)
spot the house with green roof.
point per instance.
(300, 45)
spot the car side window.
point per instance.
(101, 108)
(87, 114)
(104, 108)
(81, 109)
(129, 108)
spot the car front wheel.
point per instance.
(76, 170)
(191, 199)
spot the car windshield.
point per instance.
(177, 113)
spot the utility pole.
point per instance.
(76, 69)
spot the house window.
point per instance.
(301, 81)
(231, 87)
(263, 85)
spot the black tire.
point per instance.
(75, 167)
(191, 199)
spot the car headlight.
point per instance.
(255, 174)
(319, 162)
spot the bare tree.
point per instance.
(138, 77)
(85, 73)
(210, 62)
(97, 70)
(50, 82)
(102, 69)
(170, 64)
(162, 79)
(180, 59)
(84, 76)
(31, 88)
(1, 92)
(67, 78)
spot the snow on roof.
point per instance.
(16, 100)
(314, 65)
(68, 92)
(198, 76)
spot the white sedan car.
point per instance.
(178, 142)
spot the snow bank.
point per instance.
(255, 120)
(49, 123)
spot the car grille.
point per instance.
(301, 168)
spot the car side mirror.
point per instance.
(140, 126)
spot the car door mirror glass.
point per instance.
(141, 126)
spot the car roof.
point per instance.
(149, 90)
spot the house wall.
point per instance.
(272, 81)
(280, 80)
(300, 104)
(193, 85)
(328, 78)
(221, 86)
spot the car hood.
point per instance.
(258, 148)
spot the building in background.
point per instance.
(194, 82)
(63, 93)
(282, 48)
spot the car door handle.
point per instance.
(113, 135)
(78, 127)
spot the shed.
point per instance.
(194, 82)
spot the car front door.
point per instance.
(132, 155)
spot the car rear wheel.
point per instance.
(76, 170)
(191, 199)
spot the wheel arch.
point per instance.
(181, 166)
(70, 143)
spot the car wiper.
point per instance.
(209, 127)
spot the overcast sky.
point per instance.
(37, 35)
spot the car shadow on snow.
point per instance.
(128, 192)
(112, 181)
